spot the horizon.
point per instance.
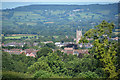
(11, 5)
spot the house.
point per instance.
(116, 38)
(13, 51)
(32, 55)
(74, 46)
(30, 52)
(27, 52)
(47, 42)
(14, 44)
(68, 50)
(81, 51)
(59, 44)
(75, 51)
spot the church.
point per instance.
(78, 35)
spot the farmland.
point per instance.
(21, 36)
(55, 20)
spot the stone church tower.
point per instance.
(78, 35)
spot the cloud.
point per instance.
(60, 1)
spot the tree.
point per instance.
(7, 62)
(40, 65)
(42, 74)
(56, 64)
(51, 63)
(50, 45)
(104, 50)
(78, 65)
(59, 53)
(17, 63)
(43, 52)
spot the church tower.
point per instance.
(78, 35)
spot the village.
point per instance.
(74, 48)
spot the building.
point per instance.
(78, 35)
(74, 46)
(75, 51)
(13, 51)
(27, 52)
(81, 51)
(68, 50)
(59, 44)
(66, 44)
(47, 42)
(116, 38)
(14, 44)
(30, 52)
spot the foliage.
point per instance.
(15, 75)
(7, 62)
(17, 63)
(41, 65)
(87, 75)
(104, 50)
(42, 74)
(43, 52)
(77, 65)
(50, 45)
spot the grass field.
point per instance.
(20, 36)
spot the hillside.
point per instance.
(57, 20)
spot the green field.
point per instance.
(20, 36)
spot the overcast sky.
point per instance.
(60, 0)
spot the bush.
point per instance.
(10, 74)
(42, 74)
(88, 74)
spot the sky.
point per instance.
(60, 0)
(9, 4)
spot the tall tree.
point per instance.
(104, 50)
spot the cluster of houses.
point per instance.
(86, 45)
(70, 48)
(20, 44)
(75, 51)
(60, 44)
(27, 52)
(14, 44)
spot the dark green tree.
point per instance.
(43, 52)
(50, 45)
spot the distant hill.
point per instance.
(59, 20)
